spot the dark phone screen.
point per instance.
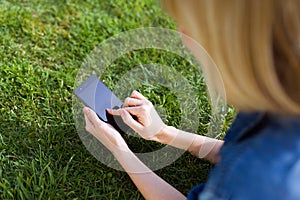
(97, 96)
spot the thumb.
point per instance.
(91, 115)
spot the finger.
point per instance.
(138, 110)
(127, 118)
(88, 125)
(93, 123)
(137, 95)
(132, 110)
(132, 102)
(91, 116)
(114, 111)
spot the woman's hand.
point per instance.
(104, 132)
(148, 123)
(149, 184)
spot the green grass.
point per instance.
(42, 44)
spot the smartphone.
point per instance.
(95, 95)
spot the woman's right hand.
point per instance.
(148, 123)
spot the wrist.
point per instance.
(131, 163)
(117, 152)
(166, 135)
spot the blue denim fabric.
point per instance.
(260, 159)
(195, 191)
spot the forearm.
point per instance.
(149, 184)
(200, 146)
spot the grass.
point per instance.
(42, 44)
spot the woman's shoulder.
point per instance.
(269, 165)
(271, 158)
(262, 161)
(275, 139)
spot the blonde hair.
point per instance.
(255, 45)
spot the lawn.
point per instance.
(42, 46)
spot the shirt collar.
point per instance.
(242, 124)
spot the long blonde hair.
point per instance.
(254, 43)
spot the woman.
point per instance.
(256, 46)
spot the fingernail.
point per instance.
(86, 110)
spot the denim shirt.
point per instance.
(260, 159)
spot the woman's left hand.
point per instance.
(104, 132)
